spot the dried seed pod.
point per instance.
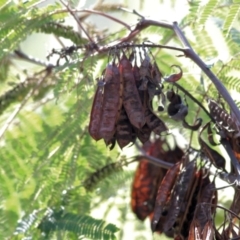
(111, 102)
(131, 100)
(163, 194)
(194, 232)
(144, 188)
(96, 113)
(144, 72)
(207, 195)
(176, 109)
(143, 134)
(208, 230)
(156, 73)
(154, 122)
(124, 130)
(174, 77)
(183, 184)
(225, 121)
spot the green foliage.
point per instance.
(46, 151)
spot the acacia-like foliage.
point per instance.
(46, 152)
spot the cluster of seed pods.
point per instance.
(181, 202)
(122, 109)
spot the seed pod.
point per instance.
(227, 122)
(131, 100)
(144, 72)
(204, 212)
(163, 194)
(174, 77)
(144, 188)
(184, 182)
(194, 232)
(111, 102)
(154, 122)
(124, 130)
(96, 113)
(208, 230)
(143, 134)
(176, 109)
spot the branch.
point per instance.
(188, 51)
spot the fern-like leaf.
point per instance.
(207, 11)
(78, 224)
(231, 17)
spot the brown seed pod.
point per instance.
(226, 122)
(124, 130)
(174, 77)
(96, 113)
(184, 182)
(144, 188)
(163, 194)
(111, 102)
(176, 109)
(144, 72)
(194, 232)
(143, 134)
(131, 100)
(208, 230)
(208, 194)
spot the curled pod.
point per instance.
(192, 127)
(176, 76)
(96, 113)
(131, 99)
(210, 135)
(152, 120)
(111, 102)
(177, 111)
(124, 130)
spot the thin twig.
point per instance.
(106, 16)
(78, 21)
(21, 55)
